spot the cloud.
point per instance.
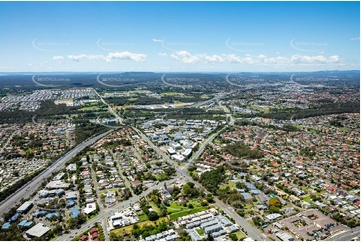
(211, 58)
(162, 54)
(281, 60)
(319, 59)
(278, 53)
(43, 63)
(321, 52)
(111, 56)
(29, 64)
(185, 57)
(355, 38)
(126, 56)
(7, 67)
(58, 57)
(158, 40)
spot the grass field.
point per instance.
(128, 229)
(175, 216)
(240, 235)
(231, 185)
(200, 232)
(176, 208)
(143, 217)
(155, 207)
(307, 199)
(172, 94)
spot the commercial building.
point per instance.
(57, 185)
(37, 231)
(25, 207)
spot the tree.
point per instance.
(274, 202)
(210, 237)
(257, 221)
(233, 237)
(209, 198)
(274, 209)
(153, 216)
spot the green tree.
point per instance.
(153, 216)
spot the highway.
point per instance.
(174, 85)
(214, 99)
(347, 235)
(29, 188)
(110, 109)
(230, 119)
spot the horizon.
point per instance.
(197, 37)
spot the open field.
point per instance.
(175, 216)
(128, 229)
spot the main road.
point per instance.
(347, 235)
(110, 109)
(29, 188)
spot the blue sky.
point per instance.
(179, 36)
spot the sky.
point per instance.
(179, 36)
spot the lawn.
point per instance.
(176, 208)
(200, 232)
(231, 184)
(240, 235)
(175, 216)
(143, 217)
(172, 94)
(128, 229)
(307, 199)
(155, 207)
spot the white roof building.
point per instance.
(37, 231)
(25, 207)
(90, 207)
(57, 185)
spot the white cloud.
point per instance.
(281, 60)
(175, 57)
(355, 38)
(158, 40)
(43, 63)
(162, 54)
(29, 64)
(185, 57)
(111, 56)
(211, 58)
(126, 56)
(58, 57)
(321, 52)
(83, 56)
(7, 67)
